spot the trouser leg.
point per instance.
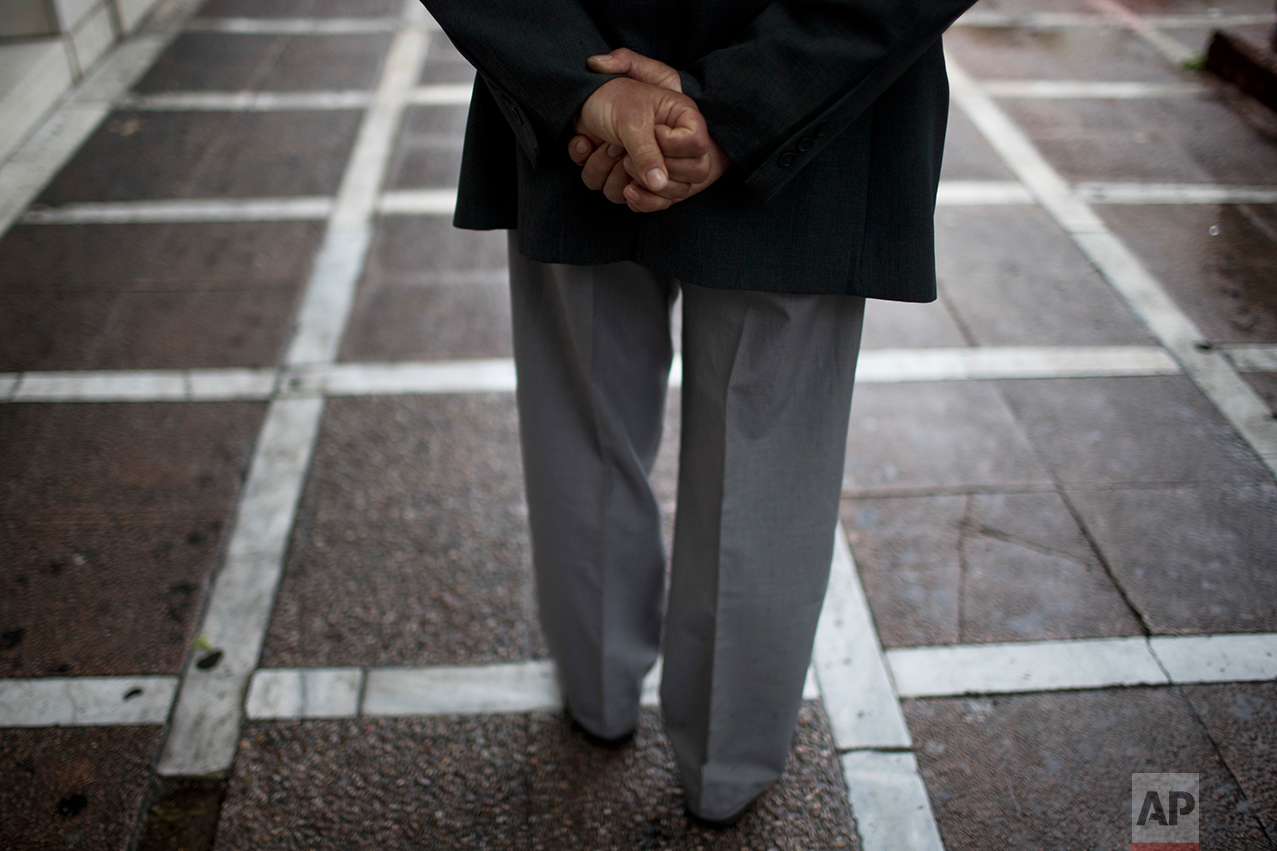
(767, 382)
(592, 352)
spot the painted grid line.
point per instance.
(496, 375)
(295, 26)
(1209, 369)
(206, 719)
(1091, 89)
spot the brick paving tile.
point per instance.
(79, 788)
(114, 517)
(1054, 770)
(1218, 267)
(430, 292)
(926, 435)
(152, 155)
(515, 781)
(1172, 140)
(981, 567)
(1147, 430)
(410, 545)
(1013, 278)
(1090, 53)
(1192, 560)
(1241, 719)
(244, 62)
(300, 8)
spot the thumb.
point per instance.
(638, 67)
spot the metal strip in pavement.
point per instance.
(1253, 358)
(1105, 90)
(209, 711)
(85, 701)
(1208, 368)
(1217, 658)
(294, 26)
(182, 211)
(1023, 667)
(963, 193)
(1174, 193)
(246, 101)
(51, 144)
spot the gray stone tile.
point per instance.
(1265, 385)
(158, 257)
(976, 568)
(50, 332)
(1191, 559)
(73, 787)
(428, 153)
(1216, 264)
(428, 249)
(1082, 53)
(967, 155)
(113, 520)
(1054, 770)
(583, 796)
(1242, 721)
(907, 554)
(936, 435)
(241, 62)
(1148, 430)
(441, 782)
(440, 321)
(900, 325)
(1013, 278)
(410, 545)
(143, 155)
(1188, 140)
(300, 8)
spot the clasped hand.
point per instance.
(640, 139)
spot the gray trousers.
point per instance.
(767, 382)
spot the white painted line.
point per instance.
(1088, 89)
(174, 385)
(350, 379)
(859, 697)
(85, 701)
(884, 366)
(302, 693)
(331, 290)
(206, 720)
(182, 210)
(1174, 52)
(48, 148)
(418, 202)
(294, 26)
(1174, 193)
(1209, 369)
(962, 193)
(1214, 21)
(8, 384)
(521, 687)
(893, 812)
(1253, 358)
(246, 101)
(441, 94)
(1023, 667)
(1218, 658)
(1030, 20)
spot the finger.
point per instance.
(673, 190)
(689, 139)
(688, 169)
(598, 167)
(579, 149)
(641, 201)
(639, 67)
(617, 180)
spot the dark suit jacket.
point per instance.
(832, 113)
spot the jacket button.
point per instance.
(806, 143)
(822, 130)
(787, 159)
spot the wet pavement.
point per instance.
(269, 459)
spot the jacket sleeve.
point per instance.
(531, 54)
(802, 71)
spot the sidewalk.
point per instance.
(265, 567)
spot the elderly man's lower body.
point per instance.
(766, 397)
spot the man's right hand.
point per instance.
(648, 123)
